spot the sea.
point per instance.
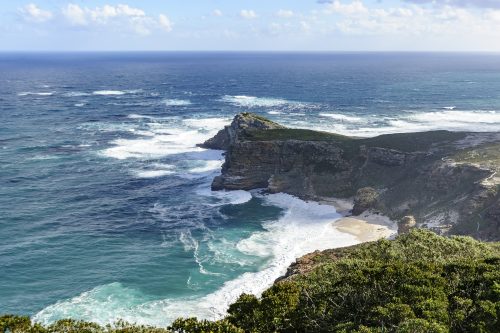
(106, 211)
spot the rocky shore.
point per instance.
(444, 181)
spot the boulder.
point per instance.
(406, 224)
(366, 198)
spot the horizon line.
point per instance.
(254, 51)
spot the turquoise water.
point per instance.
(105, 201)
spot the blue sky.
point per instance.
(302, 25)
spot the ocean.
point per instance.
(106, 211)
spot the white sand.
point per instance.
(367, 227)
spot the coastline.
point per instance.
(367, 227)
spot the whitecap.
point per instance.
(155, 170)
(369, 126)
(343, 117)
(252, 101)
(139, 116)
(154, 147)
(452, 118)
(211, 124)
(164, 138)
(303, 228)
(236, 197)
(152, 173)
(76, 94)
(28, 93)
(109, 92)
(208, 166)
(176, 102)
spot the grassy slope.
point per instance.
(406, 142)
(419, 283)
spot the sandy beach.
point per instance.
(366, 227)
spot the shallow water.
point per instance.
(106, 210)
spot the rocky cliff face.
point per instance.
(446, 181)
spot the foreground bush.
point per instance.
(420, 282)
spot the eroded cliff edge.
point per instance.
(446, 180)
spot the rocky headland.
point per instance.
(444, 181)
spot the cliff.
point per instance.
(446, 181)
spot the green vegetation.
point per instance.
(419, 282)
(262, 119)
(19, 324)
(292, 134)
(405, 142)
(410, 142)
(487, 155)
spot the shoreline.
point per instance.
(367, 227)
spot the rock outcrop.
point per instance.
(406, 224)
(446, 180)
(366, 198)
(241, 122)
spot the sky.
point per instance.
(244, 25)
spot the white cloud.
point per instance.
(285, 13)
(74, 14)
(32, 12)
(107, 12)
(165, 23)
(217, 12)
(77, 15)
(354, 8)
(129, 11)
(248, 14)
(304, 26)
(121, 17)
(414, 21)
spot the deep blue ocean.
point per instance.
(105, 203)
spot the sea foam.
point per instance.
(76, 94)
(29, 93)
(343, 117)
(252, 101)
(165, 138)
(303, 228)
(116, 92)
(176, 102)
(108, 92)
(369, 126)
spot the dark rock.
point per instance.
(366, 198)
(443, 179)
(241, 122)
(406, 224)
(387, 157)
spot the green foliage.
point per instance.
(418, 283)
(292, 134)
(18, 324)
(419, 245)
(193, 325)
(406, 142)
